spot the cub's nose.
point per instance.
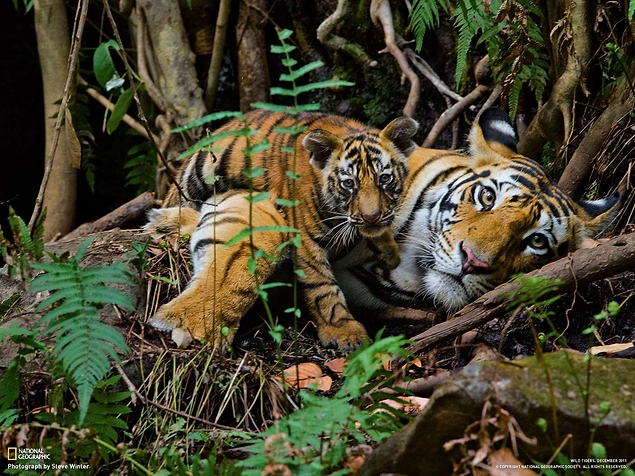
(372, 217)
(471, 263)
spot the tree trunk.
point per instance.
(175, 60)
(253, 72)
(53, 44)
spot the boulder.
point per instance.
(519, 389)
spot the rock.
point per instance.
(181, 338)
(520, 388)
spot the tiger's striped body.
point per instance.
(466, 223)
(351, 179)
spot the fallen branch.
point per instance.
(326, 36)
(584, 266)
(133, 210)
(381, 15)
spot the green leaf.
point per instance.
(273, 107)
(246, 232)
(215, 116)
(287, 203)
(331, 83)
(103, 66)
(284, 34)
(253, 173)
(298, 73)
(631, 10)
(282, 92)
(282, 49)
(259, 197)
(120, 110)
(293, 175)
(258, 147)
(210, 140)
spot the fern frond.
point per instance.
(83, 345)
(469, 19)
(424, 16)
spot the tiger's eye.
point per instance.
(347, 183)
(487, 197)
(385, 179)
(538, 241)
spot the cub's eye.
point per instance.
(347, 183)
(538, 241)
(487, 197)
(385, 179)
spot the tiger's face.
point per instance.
(363, 175)
(497, 216)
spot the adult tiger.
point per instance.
(350, 180)
(466, 224)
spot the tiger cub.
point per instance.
(351, 180)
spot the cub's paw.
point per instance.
(389, 259)
(348, 336)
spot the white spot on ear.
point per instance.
(503, 127)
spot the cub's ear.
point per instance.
(598, 215)
(493, 132)
(400, 132)
(321, 144)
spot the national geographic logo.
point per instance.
(12, 454)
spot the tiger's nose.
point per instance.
(471, 263)
(372, 217)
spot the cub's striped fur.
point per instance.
(467, 223)
(352, 177)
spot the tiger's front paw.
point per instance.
(348, 336)
(389, 259)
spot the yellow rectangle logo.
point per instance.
(12, 454)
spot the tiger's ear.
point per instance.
(400, 132)
(321, 144)
(600, 213)
(493, 132)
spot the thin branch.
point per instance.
(153, 91)
(213, 74)
(449, 115)
(77, 39)
(326, 36)
(101, 99)
(381, 14)
(430, 74)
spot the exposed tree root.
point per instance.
(326, 36)
(573, 29)
(381, 15)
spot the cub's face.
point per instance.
(362, 174)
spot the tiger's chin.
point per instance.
(447, 290)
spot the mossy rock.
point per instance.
(521, 387)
